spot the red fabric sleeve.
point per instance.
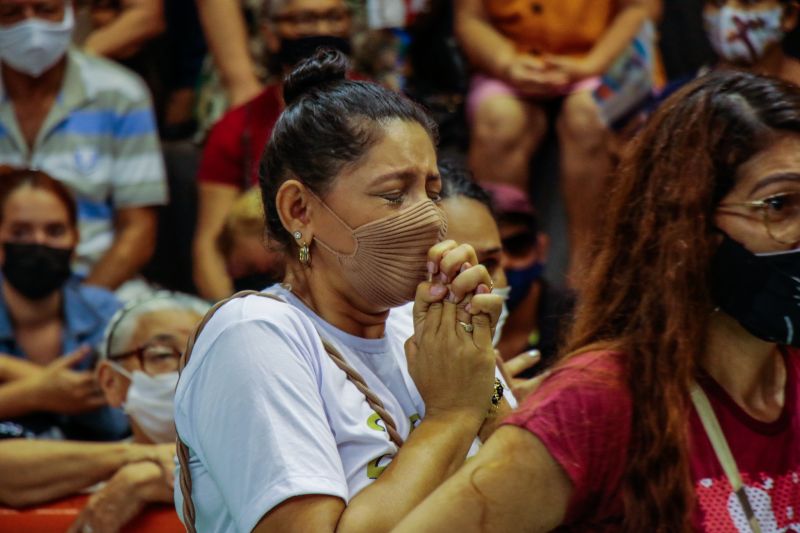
(582, 415)
(223, 154)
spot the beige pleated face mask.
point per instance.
(391, 253)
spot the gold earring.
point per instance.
(304, 255)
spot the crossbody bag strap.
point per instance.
(723, 452)
(189, 512)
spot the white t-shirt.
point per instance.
(268, 416)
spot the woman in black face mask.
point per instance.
(44, 313)
(676, 405)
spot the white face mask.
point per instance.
(503, 292)
(150, 403)
(743, 36)
(34, 45)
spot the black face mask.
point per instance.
(762, 292)
(36, 270)
(292, 51)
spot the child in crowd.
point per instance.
(548, 60)
(249, 260)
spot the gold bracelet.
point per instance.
(497, 396)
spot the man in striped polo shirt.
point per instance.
(87, 122)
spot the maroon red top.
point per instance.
(582, 414)
(235, 144)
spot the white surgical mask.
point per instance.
(33, 45)
(743, 36)
(150, 403)
(504, 293)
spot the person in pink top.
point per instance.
(687, 334)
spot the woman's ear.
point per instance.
(294, 209)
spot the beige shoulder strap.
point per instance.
(189, 514)
(723, 452)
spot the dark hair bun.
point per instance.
(325, 67)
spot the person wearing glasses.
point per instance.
(676, 403)
(140, 351)
(138, 370)
(46, 397)
(292, 30)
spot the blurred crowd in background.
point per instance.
(130, 138)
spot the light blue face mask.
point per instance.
(32, 46)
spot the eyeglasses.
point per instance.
(780, 213)
(312, 19)
(154, 358)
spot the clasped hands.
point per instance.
(546, 76)
(453, 367)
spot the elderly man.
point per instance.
(87, 122)
(141, 351)
(138, 371)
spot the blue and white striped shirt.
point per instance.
(100, 139)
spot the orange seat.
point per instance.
(59, 515)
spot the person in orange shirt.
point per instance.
(539, 60)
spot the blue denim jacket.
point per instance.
(86, 312)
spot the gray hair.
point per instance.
(122, 325)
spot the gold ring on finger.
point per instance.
(469, 328)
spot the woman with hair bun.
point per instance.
(676, 406)
(295, 407)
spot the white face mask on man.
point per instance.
(32, 46)
(150, 403)
(504, 293)
(743, 36)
